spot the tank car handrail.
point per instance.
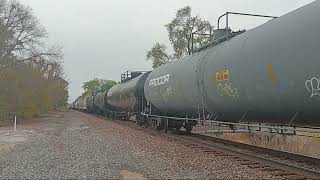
(242, 14)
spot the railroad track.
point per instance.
(281, 164)
(278, 163)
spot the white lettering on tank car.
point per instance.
(159, 81)
(313, 86)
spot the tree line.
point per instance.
(96, 86)
(32, 79)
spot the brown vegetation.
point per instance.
(31, 73)
(297, 144)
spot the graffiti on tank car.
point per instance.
(313, 86)
(272, 76)
(227, 89)
(159, 81)
(167, 94)
(224, 85)
(222, 75)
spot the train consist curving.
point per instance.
(269, 74)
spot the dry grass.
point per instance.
(296, 144)
(300, 143)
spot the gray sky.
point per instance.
(104, 38)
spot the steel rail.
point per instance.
(257, 154)
(296, 164)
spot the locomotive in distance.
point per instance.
(269, 74)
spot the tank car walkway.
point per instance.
(77, 145)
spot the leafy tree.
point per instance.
(97, 85)
(185, 29)
(91, 86)
(186, 32)
(158, 55)
(107, 85)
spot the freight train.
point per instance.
(269, 74)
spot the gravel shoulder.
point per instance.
(77, 145)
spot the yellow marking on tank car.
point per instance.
(222, 75)
(167, 94)
(271, 74)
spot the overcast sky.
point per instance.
(104, 38)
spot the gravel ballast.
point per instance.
(77, 145)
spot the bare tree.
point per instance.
(31, 71)
(50, 66)
(22, 36)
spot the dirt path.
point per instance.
(77, 145)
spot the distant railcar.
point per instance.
(100, 104)
(80, 103)
(89, 104)
(127, 98)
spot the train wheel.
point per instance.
(158, 124)
(152, 122)
(188, 128)
(147, 124)
(178, 128)
(165, 124)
